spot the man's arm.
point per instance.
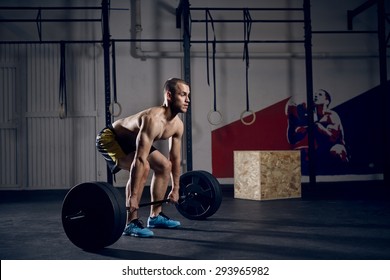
(331, 128)
(175, 158)
(297, 122)
(140, 164)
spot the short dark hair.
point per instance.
(171, 84)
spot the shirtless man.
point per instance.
(328, 130)
(128, 144)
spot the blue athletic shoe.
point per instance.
(162, 221)
(135, 228)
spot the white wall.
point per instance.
(346, 62)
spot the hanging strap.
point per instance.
(114, 69)
(215, 83)
(247, 33)
(39, 23)
(62, 91)
(112, 105)
(207, 47)
(214, 51)
(208, 15)
(214, 44)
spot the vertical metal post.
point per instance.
(384, 88)
(309, 93)
(107, 81)
(185, 5)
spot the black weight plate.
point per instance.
(90, 215)
(202, 194)
(120, 213)
(218, 194)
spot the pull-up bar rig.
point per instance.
(183, 11)
(183, 19)
(39, 20)
(308, 32)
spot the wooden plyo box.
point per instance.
(266, 175)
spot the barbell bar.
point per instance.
(94, 213)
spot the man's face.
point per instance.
(181, 99)
(319, 97)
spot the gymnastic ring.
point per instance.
(111, 109)
(219, 120)
(253, 117)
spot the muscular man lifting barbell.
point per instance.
(128, 144)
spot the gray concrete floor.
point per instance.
(288, 229)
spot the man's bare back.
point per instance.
(163, 127)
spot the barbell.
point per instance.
(94, 213)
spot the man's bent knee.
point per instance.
(161, 165)
(165, 167)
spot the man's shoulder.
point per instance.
(179, 126)
(152, 113)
